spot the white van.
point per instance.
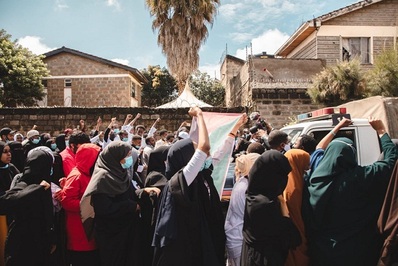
(365, 138)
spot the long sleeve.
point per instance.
(71, 196)
(381, 170)
(192, 169)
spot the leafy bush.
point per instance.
(338, 84)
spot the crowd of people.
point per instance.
(135, 195)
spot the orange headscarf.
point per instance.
(299, 161)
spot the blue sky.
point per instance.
(121, 30)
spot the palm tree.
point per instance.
(182, 28)
(337, 84)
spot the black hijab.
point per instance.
(268, 176)
(109, 178)
(178, 156)
(7, 171)
(37, 167)
(60, 141)
(156, 160)
(48, 143)
(17, 155)
(264, 224)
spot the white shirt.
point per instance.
(234, 220)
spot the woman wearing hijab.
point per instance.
(109, 205)
(29, 202)
(190, 226)
(234, 220)
(7, 173)
(155, 179)
(18, 137)
(299, 160)
(60, 142)
(268, 233)
(81, 250)
(345, 201)
(7, 169)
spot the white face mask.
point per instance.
(287, 147)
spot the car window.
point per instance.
(293, 133)
(348, 133)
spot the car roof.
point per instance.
(327, 123)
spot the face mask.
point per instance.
(128, 163)
(35, 141)
(116, 131)
(125, 139)
(51, 171)
(66, 143)
(137, 147)
(5, 166)
(53, 146)
(207, 163)
(287, 147)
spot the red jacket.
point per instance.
(68, 160)
(73, 190)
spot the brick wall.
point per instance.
(281, 106)
(54, 120)
(89, 91)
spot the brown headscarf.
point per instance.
(299, 161)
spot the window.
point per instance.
(358, 47)
(67, 97)
(68, 83)
(132, 89)
(347, 133)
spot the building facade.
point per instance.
(361, 30)
(80, 79)
(276, 85)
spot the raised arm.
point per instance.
(152, 129)
(329, 137)
(127, 120)
(242, 120)
(195, 164)
(203, 142)
(135, 119)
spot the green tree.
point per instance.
(338, 84)
(182, 28)
(383, 78)
(21, 74)
(160, 88)
(207, 89)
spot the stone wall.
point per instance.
(55, 120)
(281, 106)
